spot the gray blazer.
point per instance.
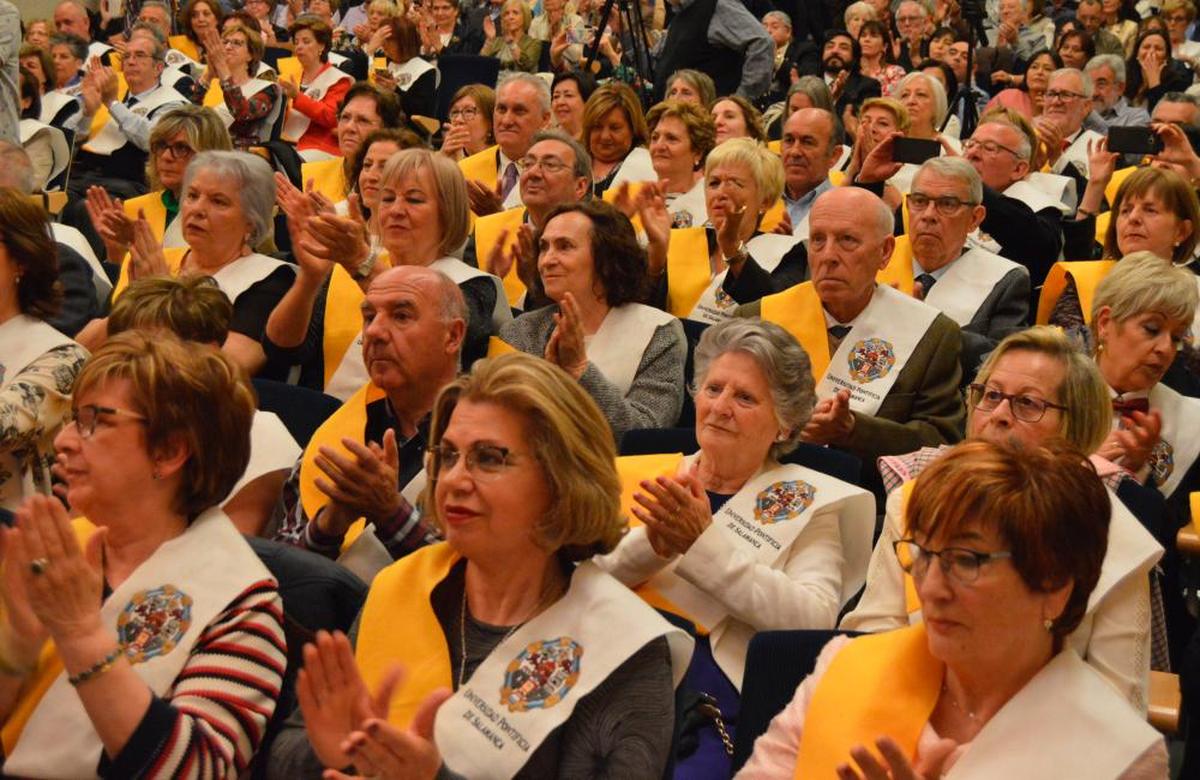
(1004, 311)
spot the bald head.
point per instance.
(71, 17)
(850, 240)
(811, 144)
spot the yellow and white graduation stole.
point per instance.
(406, 74)
(798, 311)
(714, 304)
(1087, 275)
(967, 282)
(151, 204)
(689, 209)
(328, 177)
(689, 271)
(23, 339)
(616, 348)
(1179, 440)
(158, 614)
(182, 45)
(636, 167)
(762, 520)
(106, 136)
(898, 273)
(342, 339)
(487, 233)
(530, 684)
(233, 279)
(214, 98)
(53, 102)
(482, 167)
(876, 349)
(297, 123)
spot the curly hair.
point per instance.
(618, 259)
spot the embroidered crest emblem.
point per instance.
(681, 219)
(404, 79)
(1161, 462)
(153, 622)
(723, 299)
(783, 501)
(871, 359)
(541, 675)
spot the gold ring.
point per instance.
(39, 565)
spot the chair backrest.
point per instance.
(776, 663)
(458, 70)
(301, 409)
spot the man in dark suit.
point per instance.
(779, 27)
(839, 67)
(986, 294)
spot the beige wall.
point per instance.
(36, 9)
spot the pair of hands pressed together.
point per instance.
(122, 235)
(674, 511)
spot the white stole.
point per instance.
(764, 518)
(1076, 154)
(65, 234)
(460, 272)
(1080, 720)
(297, 123)
(272, 448)
(407, 74)
(243, 273)
(616, 348)
(689, 209)
(248, 90)
(635, 167)
(159, 613)
(1179, 440)
(967, 283)
(531, 682)
(867, 362)
(1059, 188)
(1040, 198)
(366, 556)
(29, 129)
(767, 249)
(110, 138)
(55, 101)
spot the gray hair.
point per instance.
(1085, 81)
(1110, 61)
(1184, 97)
(782, 360)
(539, 84)
(925, 5)
(860, 7)
(1024, 148)
(1143, 282)
(156, 4)
(77, 45)
(779, 16)
(252, 179)
(583, 160)
(816, 89)
(935, 86)
(955, 168)
(16, 169)
(156, 37)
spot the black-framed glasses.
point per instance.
(991, 147)
(178, 150)
(1062, 94)
(85, 417)
(947, 205)
(1026, 408)
(485, 462)
(959, 562)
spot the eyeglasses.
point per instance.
(485, 462)
(947, 205)
(130, 56)
(958, 562)
(549, 164)
(991, 147)
(85, 417)
(1176, 18)
(1026, 408)
(910, 19)
(470, 112)
(178, 150)
(1063, 95)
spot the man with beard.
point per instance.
(839, 68)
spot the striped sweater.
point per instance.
(215, 716)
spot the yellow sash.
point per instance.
(1194, 502)
(1102, 220)
(289, 67)
(398, 624)
(885, 684)
(775, 146)
(343, 319)
(498, 346)
(377, 63)
(487, 233)
(174, 256)
(214, 96)
(837, 178)
(898, 272)
(350, 422)
(481, 167)
(184, 45)
(101, 117)
(798, 310)
(774, 217)
(1087, 275)
(151, 204)
(48, 669)
(1114, 184)
(328, 177)
(912, 602)
(632, 469)
(610, 196)
(688, 270)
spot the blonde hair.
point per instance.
(893, 107)
(569, 437)
(1087, 419)
(765, 166)
(453, 206)
(189, 392)
(1144, 282)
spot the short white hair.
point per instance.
(859, 8)
(254, 183)
(539, 84)
(939, 92)
(1085, 81)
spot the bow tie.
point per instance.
(1127, 406)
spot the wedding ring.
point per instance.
(39, 565)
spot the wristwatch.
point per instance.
(740, 255)
(366, 266)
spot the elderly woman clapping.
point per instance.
(712, 545)
(109, 657)
(523, 485)
(1004, 546)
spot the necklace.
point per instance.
(462, 638)
(954, 703)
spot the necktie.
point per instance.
(509, 180)
(927, 282)
(1127, 406)
(839, 331)
(130, 100)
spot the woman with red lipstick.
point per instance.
(523, 658)
(1004, 546)
(1035, 387)
(1143, 312)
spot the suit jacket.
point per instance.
(858, 87)
(1004, 311)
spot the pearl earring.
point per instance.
(1048, 624)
